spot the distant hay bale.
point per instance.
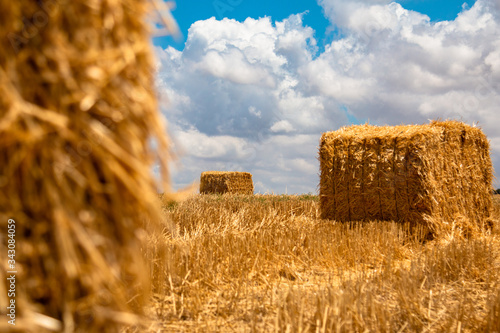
(226, 182)
(78, 114)
(438, 175)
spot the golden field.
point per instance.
(263, 263)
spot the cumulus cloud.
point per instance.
(237, 86)
(404, 68)
(255, 95)
(233, 77)
(342, 12)
(222, 147)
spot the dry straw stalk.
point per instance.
(77, 117)
(438, 175)
(226, 182)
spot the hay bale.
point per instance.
(77, 115)
(438, 175)
(226, 182)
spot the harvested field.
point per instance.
(269, 263)
(95, 251)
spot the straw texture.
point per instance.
(226, 182)
(438, 175)
(77, 118)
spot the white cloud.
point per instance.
(231, 64)
(200, 145)
(254, 96)
(407, 67)
(304, 166)
(300, 142)
(254, 38)
(493, 60)
(282, 126)
(341, 12)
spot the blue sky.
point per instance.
(252, 84)
(437, 10)
(189, 11)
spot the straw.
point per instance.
(78, 119)
(226, 182)
(438, 175)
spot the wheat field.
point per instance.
(264, 263)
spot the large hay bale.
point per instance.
(226, 182)
(438, 175)
(78, 114)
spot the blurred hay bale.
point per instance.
(438, 175)
(226, 182)
(78, 116)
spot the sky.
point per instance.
(251, 85)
